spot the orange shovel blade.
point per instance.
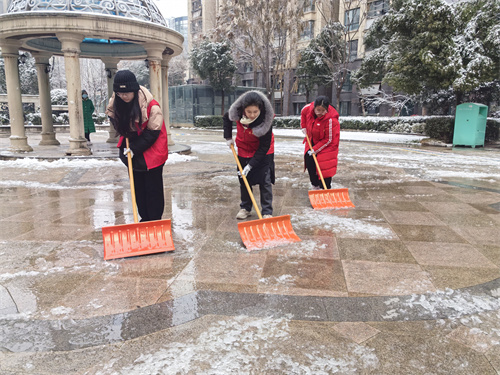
(130, 240)
(271, 232)
(333, 198)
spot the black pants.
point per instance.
(266, 195)
(87, 136)
(149, 193)
(313, 175)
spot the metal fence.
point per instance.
(188, 101)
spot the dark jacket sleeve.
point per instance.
(264, 145)
(141, 143)
(228, 126)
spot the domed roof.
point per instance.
(144, 10)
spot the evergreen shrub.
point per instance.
(440, 128)
(208, 122)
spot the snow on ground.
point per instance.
(359, 136)
(238, 344)
(39, 185)
(327, 220)
(455, 304)
(42, 165)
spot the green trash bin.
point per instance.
(470, 125)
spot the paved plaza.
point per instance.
(407, 282)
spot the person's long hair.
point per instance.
(126, 113)
(323, 101)
(252, 98)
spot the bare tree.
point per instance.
(264, 33)
(94, 81)
(332, 52)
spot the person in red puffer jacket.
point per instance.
(320, 121)
(253, 114)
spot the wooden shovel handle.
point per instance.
(316, 161)
(132, 186)
(246, 182)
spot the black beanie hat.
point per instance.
(125, 81)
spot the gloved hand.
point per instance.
(304, 131)
(127, 150)
(247, 170)
(310, 153)
(229, 142)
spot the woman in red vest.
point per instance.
(136, 115)
(320, 121)
(253, 114)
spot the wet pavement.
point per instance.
(407, 282)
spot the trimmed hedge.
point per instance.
(208, 122)
(437, 127)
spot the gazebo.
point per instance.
(110, 30)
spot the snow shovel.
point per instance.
(263, 233)
(130, 240)
(327, 198)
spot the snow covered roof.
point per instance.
(144, 10)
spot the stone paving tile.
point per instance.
(284, 273)
(357, 332)
(451, 208)
(378, 278)
(427, 233)
(401, 206)
(474, 338)
(492, 252)
(374, 250)
(63, 232)
(449, 255)
(11, 229)
(411, 218)
(479, 220)
(225, 268)
(479, 235)
(457, 277)
(102, 295)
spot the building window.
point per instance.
(309, 6)
(297, 108)
(277, 83)
(378, 8)
(347, 86)
(247, 82)
(345, 108)
(277, 108)
(351, 19)
(308, 32)
(247, 67)
(353, 50)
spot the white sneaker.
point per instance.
(267, 216)
(243, 214)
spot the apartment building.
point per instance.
(356, 15)
(202, 17)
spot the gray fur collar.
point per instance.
(262, 128)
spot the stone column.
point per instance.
(70, 45)
(18, 139)
(155, 56)
(48, 134)
(165, 103)
(111, 67)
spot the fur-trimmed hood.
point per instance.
(266, 124)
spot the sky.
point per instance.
(172, 8)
